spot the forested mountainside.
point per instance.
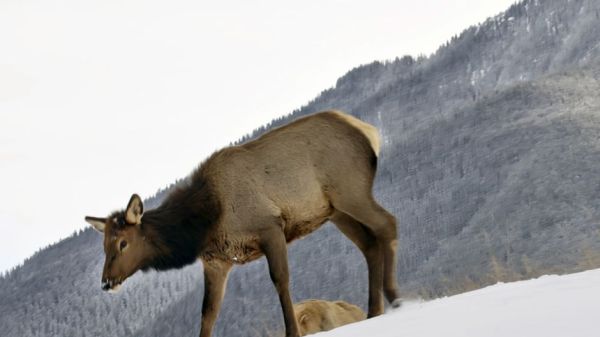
(489, 162)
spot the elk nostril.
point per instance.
(105, 286)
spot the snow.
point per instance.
(550, 306)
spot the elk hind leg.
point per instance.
(382, 225)
(370, 248)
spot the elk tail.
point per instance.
(368, 130)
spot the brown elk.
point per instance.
(251, 200)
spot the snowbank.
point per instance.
(561, 306)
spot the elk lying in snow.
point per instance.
(317, 315)
(252, 199)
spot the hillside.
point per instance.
(489, 163)
(551, 306)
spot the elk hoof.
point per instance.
(397, 303)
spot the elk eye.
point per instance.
(122, 245)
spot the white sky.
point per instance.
(103, 98)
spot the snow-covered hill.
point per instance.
(549, 306)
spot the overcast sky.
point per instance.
(100, 99)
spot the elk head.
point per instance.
(125, 246)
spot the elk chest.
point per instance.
(235, 249)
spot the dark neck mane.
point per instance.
(176, 229)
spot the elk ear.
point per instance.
(97, 223)
(135, 210)
(303, 318)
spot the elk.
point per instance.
(318, 315)
(252, 199)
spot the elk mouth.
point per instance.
(111, 286)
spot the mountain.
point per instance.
(551, 306)
(489, 161)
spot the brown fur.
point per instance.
(251, 200)
(317, 315)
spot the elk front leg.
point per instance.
(275, 250)
(215, 280)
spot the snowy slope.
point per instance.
(567, 305)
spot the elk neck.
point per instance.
(177, 230)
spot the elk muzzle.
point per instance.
(112, 286)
